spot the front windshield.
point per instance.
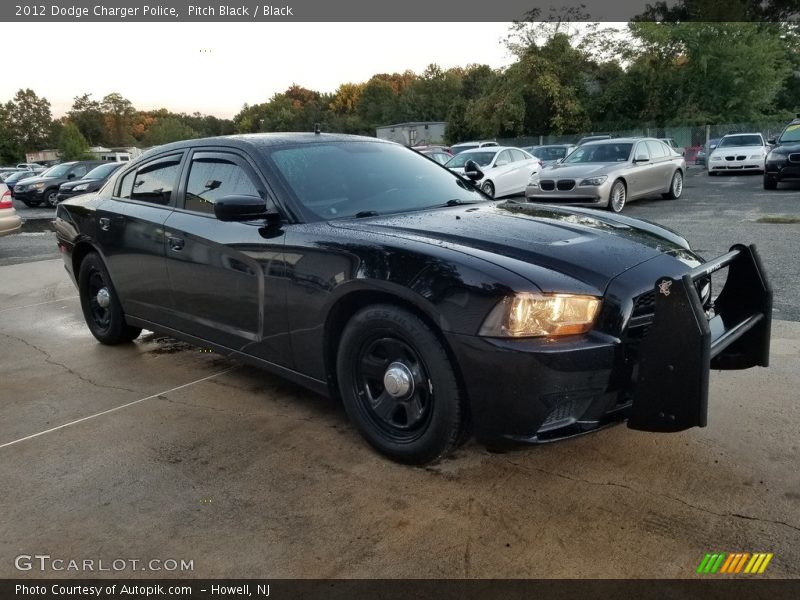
(550, 152)
(483, 158)
(102, 171)
(741, 140)
(791, 134)
(600, 153)
(57, 171)
(347, 179)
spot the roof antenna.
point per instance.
(317, 129)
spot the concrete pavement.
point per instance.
(247, 475)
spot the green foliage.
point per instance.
(71, 143)
(678, 64)
(168, 129)
(28, 120)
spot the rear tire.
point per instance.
(675, 187)
(101, 308)
(398, 385)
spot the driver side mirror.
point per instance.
(71, 176)
(641, 158)
(472, 170)
(244, 208)
(772, 142)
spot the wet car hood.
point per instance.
(587, 245)
(576, 171)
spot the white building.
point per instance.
(413, 134)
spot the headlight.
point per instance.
(756, 156)
(533, 315)
(81, 187)
(533, 179)
(594, 180)
(776, 157)
(37, 186)
(716, 158)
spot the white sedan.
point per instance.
(506, 171)
(738, 152)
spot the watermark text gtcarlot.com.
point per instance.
(47, 563)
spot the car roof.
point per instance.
(625, 140)
(258, 141)
(490, 149)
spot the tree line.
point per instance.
(675, 66)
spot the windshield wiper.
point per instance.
(366, 213)
(457, 202)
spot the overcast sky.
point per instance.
(214, 68)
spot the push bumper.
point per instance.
(541, 389)
(683, 344)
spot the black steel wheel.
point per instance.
(398, 386)
(101, 308)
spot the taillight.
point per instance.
(5, 200)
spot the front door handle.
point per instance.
(105, 223)
(175, 243)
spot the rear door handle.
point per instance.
(175, 243)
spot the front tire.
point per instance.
(617, 196)
(770, 183)
(101, 308)
(675, 187)
(398, 385)
(488, 189)
(50, 198)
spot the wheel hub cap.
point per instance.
(398, 380)
(103, 297)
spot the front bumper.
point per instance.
(782, 171)
(561, 191)
(28, 195)
(654, 372)
(744, 164)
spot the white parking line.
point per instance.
(110, 410)
(37, 304)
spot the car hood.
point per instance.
(726, 150)
(71, 184)
(568, 171)
(787, 148)
(36, 179)
(586, 245)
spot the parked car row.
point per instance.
(61, 181)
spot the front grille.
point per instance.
(740, 157)
(794, 157)
(644, 304)
(566, 411)
(547, 185)
(565, 185)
